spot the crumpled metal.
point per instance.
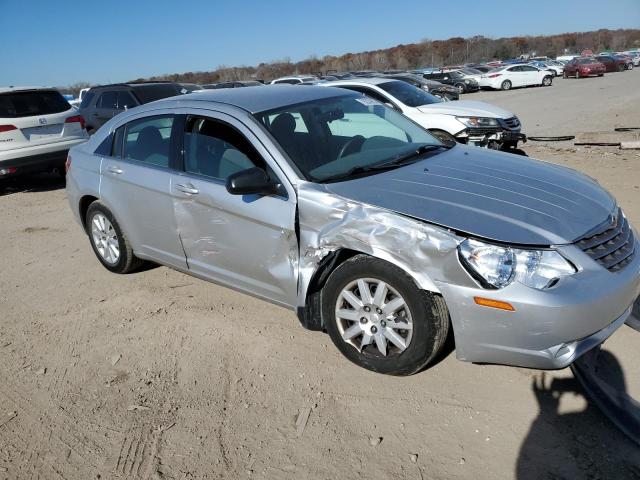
(329, 222)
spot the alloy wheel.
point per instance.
(373, 317)
(105, 238)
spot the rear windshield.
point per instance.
(149, 93)
(28, 104)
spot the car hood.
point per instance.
(467, 108)
(489, 194)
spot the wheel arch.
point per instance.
(83, 207)
(310, 313)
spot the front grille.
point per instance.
(511, 123)
(613, 244)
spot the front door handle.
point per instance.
(116, 170)
(188, 189)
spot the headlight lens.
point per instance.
(478, 121)
(499, 266)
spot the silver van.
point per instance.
(383, 237)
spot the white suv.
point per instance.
(37, 129)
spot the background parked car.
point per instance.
(102, 103)
(458, 79)
(519, 75)
(37, 129)
(190, 87)
(583, 67)
(612, 64)
(556, 70)
(628, 60)
(294, 79)
(464, 121)
(435, 88)
(234, 84)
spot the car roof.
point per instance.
(262, 99)
(12, 88)
(132, 85)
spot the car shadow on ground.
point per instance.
(40, 182)
(583, 444)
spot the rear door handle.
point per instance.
(116, 170)
(188, 189)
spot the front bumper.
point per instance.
(486, 137)
(549, 329)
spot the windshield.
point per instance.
(408, 94)
(330, 137)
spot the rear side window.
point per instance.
(125, 100)
(148, 140)
(149, 93)
(108, 100)
(28, 104)
(87, 99)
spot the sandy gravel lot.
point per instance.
(159, 375)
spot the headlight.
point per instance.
(497, 267)
(478, 121)
(466, 81)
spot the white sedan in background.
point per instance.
(465, 121)
(517, 75)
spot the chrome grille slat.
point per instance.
(613, 247)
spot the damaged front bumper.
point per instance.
(491, 137)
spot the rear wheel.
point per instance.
(108, 241)
(506, 85)
(380, 320)
(577, 74)
(460, 87)
(547, 81)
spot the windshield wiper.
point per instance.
(389, 165)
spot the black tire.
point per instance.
(547, 81)
(445, 137)
(428, 312)
(565, 75)
(127, 261)
(460, 87)
(577, 75)
(621, 68)
(506, 85)
(601, 74)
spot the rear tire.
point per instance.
(108, 241)
(425, 312)
(460, 87)
(506, 85)
(547, 81)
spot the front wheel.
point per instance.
(630, 66)
(380, 320)
(546, 81)
(506, 85)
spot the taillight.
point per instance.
(495, 75)
(7, 128)
(7, 171)
(76, 119)
(67, 164)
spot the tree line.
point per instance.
(453, 51)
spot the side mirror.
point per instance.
(251, 181)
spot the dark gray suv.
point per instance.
(102, 103)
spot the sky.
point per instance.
(63, 42)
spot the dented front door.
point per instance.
(247, 242)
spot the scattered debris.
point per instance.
(115, 359)
(462, 461)
(41, 371)
(629, 145)
(301, 422)
(132, 408)
(373, 441)
(11, 416)
(413, 457)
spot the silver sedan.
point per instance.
(331, 204)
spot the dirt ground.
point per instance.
(159, 375)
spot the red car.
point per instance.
(613, 64)
(584, 67)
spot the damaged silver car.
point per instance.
(331, 204)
